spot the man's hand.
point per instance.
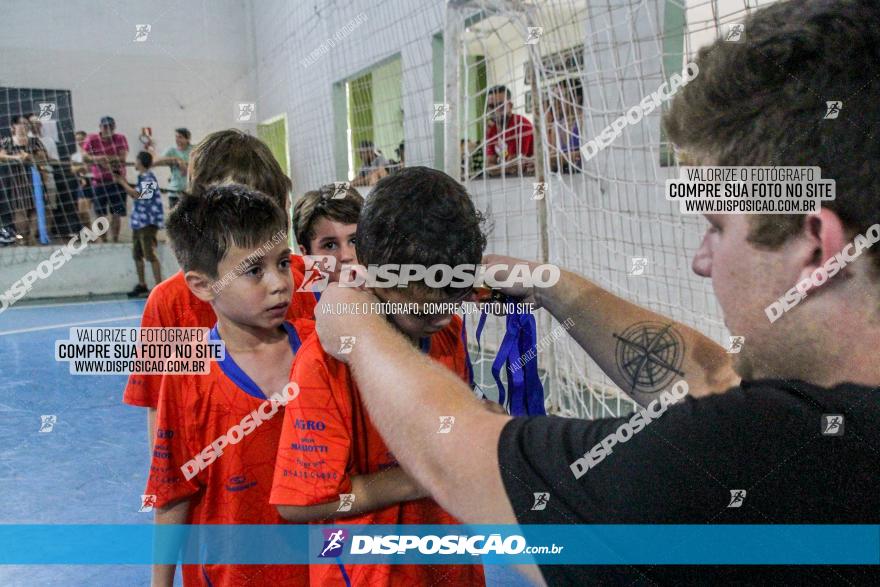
(518, 291)
(332, 322)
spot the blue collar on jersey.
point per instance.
(520, 340)
(425, 344)
(241, 379)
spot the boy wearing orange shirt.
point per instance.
(222, 157)
(217, 434)
(329, 449)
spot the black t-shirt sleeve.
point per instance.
(669, 471)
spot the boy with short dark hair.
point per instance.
(325, 222)
(329, 449)
(221, 157)
(147, 217)
(221, 232)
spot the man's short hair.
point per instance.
(762, 101)
(145, 159)
(203, 228)
(184, 132)
(320, 203)
(231, 156)
(420, 216)
(498, 89)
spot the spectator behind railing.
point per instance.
(85, 194)
(59, 185)
(564, 116)
(177, 158)
(107, 151)
(509, 136)
(374, 165)
(18, 154)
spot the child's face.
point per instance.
(257, 289)
(337, 240)
(417, 326)
(138, 166)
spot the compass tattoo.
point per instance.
(649, 355)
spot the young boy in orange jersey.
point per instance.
(219, 233)
(325, 223)
(223, 156)
(329, 449)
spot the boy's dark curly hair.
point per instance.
(420, 216)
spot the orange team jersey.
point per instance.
(328, 438)
(233, 488)
(172, 304)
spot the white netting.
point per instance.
(573, 67)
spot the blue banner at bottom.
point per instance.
(479, 544)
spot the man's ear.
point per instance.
(200, 285)
(827, 235)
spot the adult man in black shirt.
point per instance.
(789, 431)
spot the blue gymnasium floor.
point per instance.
(92, 468)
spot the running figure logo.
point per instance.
(541, 500)
(639, 264)
(346, 344)
(737, 496)
(736, 344)
(47, 423)
(141, 32)
(446, 423)
(735, 32)
(148, 502)
(334, 541)
(339, 190)
(318, 270)
(47, 111)
(148, 188)
(540, 191)
(247, 112)
(346, 500)
(440, 112)
(535, 33)
(832, 425)
(833, 109)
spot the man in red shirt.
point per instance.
(509, 136)
(218, 433)
(332, 462)
(107, 150)
(223, 156)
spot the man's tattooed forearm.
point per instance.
(649, 356)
